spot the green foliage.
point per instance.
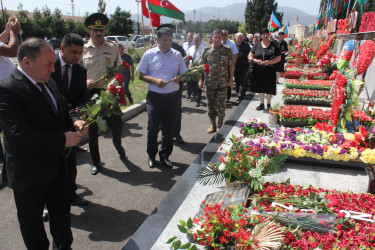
(136, 54)
(209, 26)
(120, 23)
(184, 227)
(101, 6)
(2, 21)
(258, 12)
(210, 175)
(242, 29)
(243, 163)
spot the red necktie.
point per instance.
(66, 80)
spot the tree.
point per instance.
(120, 23)
(258, 12)
(101, 6)
(242, 29)
(4, 21)
(58, 24)
(26, 23)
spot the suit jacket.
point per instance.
(33, 131)
(77, 92)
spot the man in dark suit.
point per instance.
(70, 77)
(38, 128)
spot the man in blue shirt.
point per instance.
(160, 67)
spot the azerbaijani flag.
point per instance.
(155, 18)
(274, 23)
(286, 32)
(165, 8)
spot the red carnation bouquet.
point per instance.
(365, 55)
(104, 105)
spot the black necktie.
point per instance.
(47, 96)
(66, 80)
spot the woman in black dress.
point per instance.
(264, 56)
(283, 46)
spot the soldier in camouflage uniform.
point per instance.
(219, 58)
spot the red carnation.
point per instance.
(341, 215)
(112, 89)
(125, 64)
(207, 69)
(189, 58)
(122, 101)
(120, 78)
(121, 92)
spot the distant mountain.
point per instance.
(236, 12)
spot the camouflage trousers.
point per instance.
(216, 98)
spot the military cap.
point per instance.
(96, 21)
(166, 25)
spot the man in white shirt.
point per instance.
(189, 41)
(187, 45)
(234, 49)
(195, 52)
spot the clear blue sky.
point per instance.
(83, 6)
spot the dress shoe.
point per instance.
(179, 140)
(198, 104)
(165, 161)
(45, 214)
(95, 169)
(131, 100)
(78, 201)
(151, 162)
(260, 107)
(268, 106)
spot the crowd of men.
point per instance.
(40, 117)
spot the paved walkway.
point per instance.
(124, 194)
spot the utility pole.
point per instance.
(194, 21)
(138, 1)
(73, 8)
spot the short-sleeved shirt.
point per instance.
(232, 46)
(6, 66)
(269, 53)
(283, 46)
(195, 52)
(97, 59)
(218, 60)
(242, 63)
(161, 65)
(129, 61)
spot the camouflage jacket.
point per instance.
(218, 60)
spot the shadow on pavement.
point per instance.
(192, 147)
(136, 176)
(98, 220)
